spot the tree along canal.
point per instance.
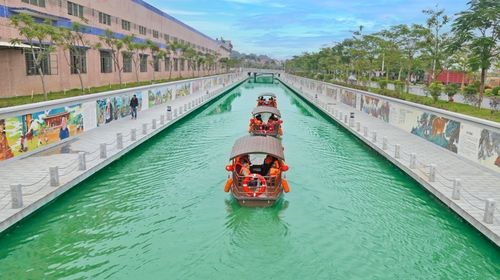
(160, 212)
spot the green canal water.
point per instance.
(160, 212)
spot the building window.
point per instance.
(142, 30)
(39, 3)
(167, 64)
(155, 34)
(125, 25)
(143, 62)
(156, 64)
(78, 58)
(31, 67)
(104, 18)
(106, 62)
(127, 62)
(166, 37)
(176, 64)
(75, 9)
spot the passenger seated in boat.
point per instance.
(261, 101)
(245, 168)
(266, 166)
(240, 163)
(273, 124)
(275, 169)
(272, 102)
(256, 123)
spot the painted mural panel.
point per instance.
(348, 98)
(489, 149)
(113, 108)
(159, 96)
(375, 107)
(438, 130)
(22, 134)
(183, 89)
(196, 86)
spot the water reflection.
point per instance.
(224, 105)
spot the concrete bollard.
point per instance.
(103, 151)
(162, 119)
(82, 161)
(358, 126)
(54, 176)
(351, 122)
(397, 151)
(384, 143)
(180, 110)
(153, 124)
(457, 186)
(365, 131)
(169, 113)
(341, 116)
(345, 118)
(189, 106)
(16, 196)
(432, 173)
(144, 128)
(185, 107)
(489, 211)
(413, 160)
(175, 113)
(119, 141)
(133, 134)
(193, 104)
(374, 136)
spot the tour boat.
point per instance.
(266, 121)
(252, 184)
(267, 99)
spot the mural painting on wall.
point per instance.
(375, 107)
(438, 130)
(349, 98)
(159, 96)
(114, 108)
(196, 86)
(207, 85)
(489, 148)
(28, 132)
(182, 90)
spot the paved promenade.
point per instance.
(435, 168)
(26, 185)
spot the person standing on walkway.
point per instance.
(134, 103)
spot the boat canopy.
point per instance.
(258, 145)
(266, 109)
(268, 94)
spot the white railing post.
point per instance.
(169, 113)
(54, 176)
(82, 161)
(365, 131)
(103, 151)
(153, 124)
(489, 210)
(144, 128)
(175, 113)
(185, 107)
(133, 134)
(162, 119)
(374, 136)
(413, 160)
(397, 151)
(16, 193)
(119, 141)
(432, 172)
(384, 143)
(457, 186)
(358, 126)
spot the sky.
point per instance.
(282, 29)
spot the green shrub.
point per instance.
(495, 91)
(470, 94)
(382, 84)
(399, 86)
(451, 90)
(435, 90)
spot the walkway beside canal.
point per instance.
(467, 188)
(27, 184)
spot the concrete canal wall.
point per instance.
(99, 133)
(469, 188)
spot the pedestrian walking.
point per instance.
(134, 103)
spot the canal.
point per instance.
(160, 212)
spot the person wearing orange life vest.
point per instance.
(275, 169)
(261, 101)
(239, 163)
(245, 168)
(255, 123)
